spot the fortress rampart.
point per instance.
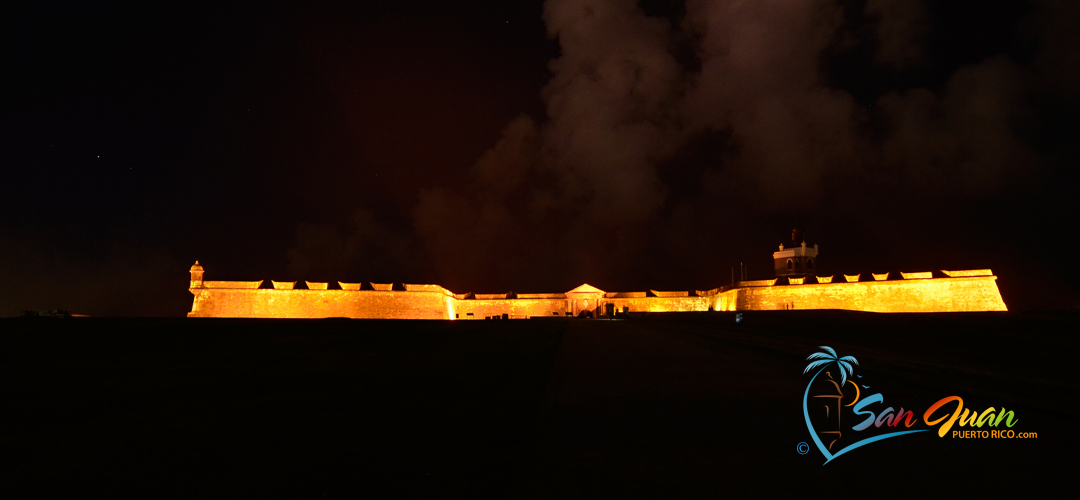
(952, 291)
(948, 294)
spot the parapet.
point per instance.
(542, 295)
(771, 282)
(232, 284)
(669, 294)
(918, 276)
(493, 296)
(625, 295)
(427, 288)
(965, 274)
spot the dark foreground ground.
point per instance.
(676, 406)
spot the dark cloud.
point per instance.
(597, 188)
(665, 142)
(1052, 28)
(364, 251)
(573, 192)
(964, 140)
(901, 27)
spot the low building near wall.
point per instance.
(947, 291)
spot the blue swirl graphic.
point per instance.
(825, 451)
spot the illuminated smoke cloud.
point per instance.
(962, 141)
(901, 29)
(586, 178)
(611, 105)
(760, 82)
(598, 187)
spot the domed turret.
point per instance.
(196, 275)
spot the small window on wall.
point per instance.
(809, 263)
(790, 265)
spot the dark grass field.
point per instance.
(675, 405)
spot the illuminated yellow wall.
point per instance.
(513, 308)
(265, 303)
(662, 304)
(968, 291)
(921, 295)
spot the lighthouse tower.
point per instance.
(796, 260)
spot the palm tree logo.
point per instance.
(844, 368)
(829, 356)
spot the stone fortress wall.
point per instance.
(947, 291)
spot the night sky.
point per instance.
(531, 146)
